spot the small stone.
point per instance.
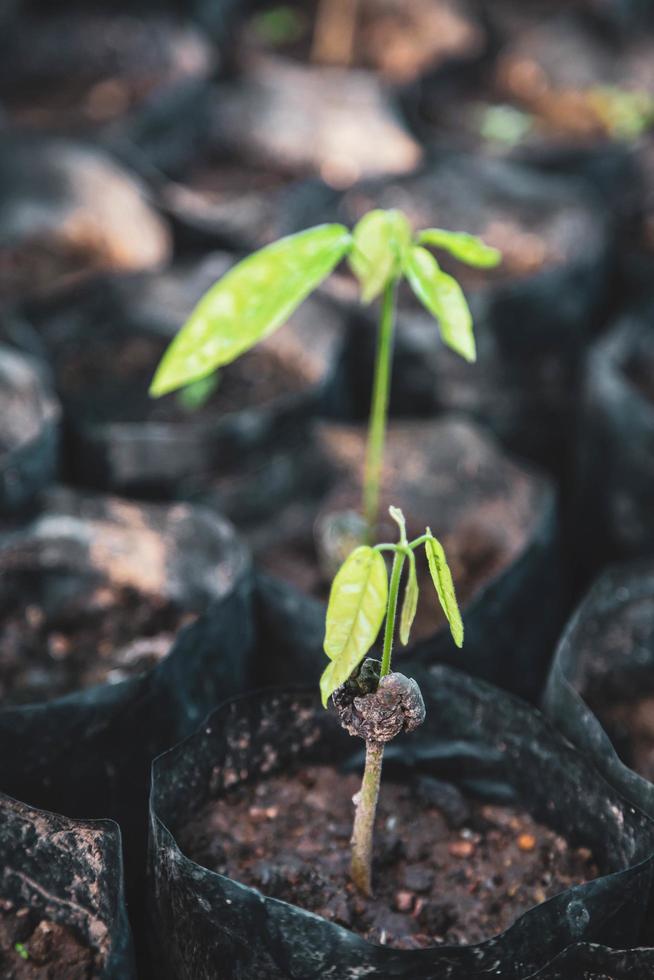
(585, 854)
(258, 814)
(58, 646)
(461, 848)
(404, 901)
(526, 842)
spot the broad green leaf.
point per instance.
(442, 579)
(409, 603)
(254, 298)
(356, 610)
(443, 297)
(464, 247)
(379, 241)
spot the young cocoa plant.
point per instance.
(372, 701)
(260, 293)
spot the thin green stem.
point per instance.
(418, 541)
(404, 548)
(364, 818)
(379, 410)
(391, 610)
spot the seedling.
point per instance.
(626, 114)
(373, 702)
(260, 293)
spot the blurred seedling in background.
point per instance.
(21, 949)
(622, 114)
(260, 293)
(334, 33)
(372, 701)
(504, 124)
(626, 114)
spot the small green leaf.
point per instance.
(443, 297)
(409, 603)
(442, 579)
(356, 610)
(505, 124)
(21, 949)
(379, 242)
(464, 247)
(254, 298)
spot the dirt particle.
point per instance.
(461, 848)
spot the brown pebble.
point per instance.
(404, 901)
(526, 842)
(260, 813)
(461, 848)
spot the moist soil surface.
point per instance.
(447, 870)
(34, 948)
(235, 200)
(108, 380)
(118, 633)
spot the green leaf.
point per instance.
(442, 579)
(254, 298)
(379, 241)
(356, 610)
(443, 297)
(464, 247)
(409, 603)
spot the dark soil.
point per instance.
(447, 869)
(87, 69)
(118, 633)
(49, 951)
(108, 380)
(240, 201)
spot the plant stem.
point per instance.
(334, 32)
(379, 410)
(364, 818)
(391, 609)
(366, 805)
